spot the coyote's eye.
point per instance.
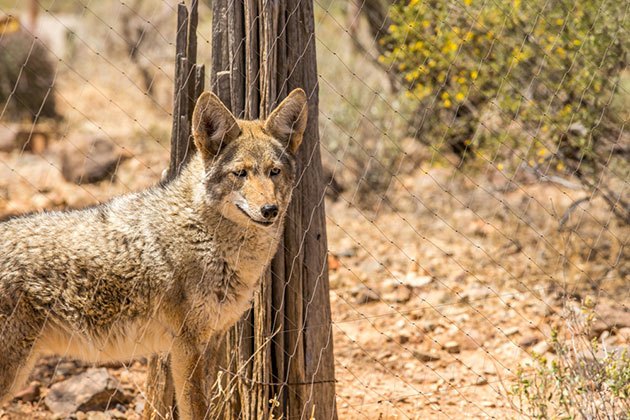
(241, 173)
(274, 171)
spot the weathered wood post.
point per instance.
(279, 358)
(282, 350)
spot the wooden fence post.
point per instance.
(279, 358)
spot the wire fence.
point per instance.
(475, 158)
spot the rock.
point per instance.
(414, 280)
(578, 129)
(624, 334)
(481, 228)
(470, 341)
(90, 159)
(403, 337)
(95, 415)
(365, 295)
(139, 406)
(66, 368)
(399, 295)
(541, 348)
(346, 253)
(608, 318)
(8, 138)
(429, 326)
(426, 357)
(474, 293)
(481, 381)
(118, 413)
(452, 347)
(29, 394)
(40, 202)
(92, 390)
(489, 369)
(510, 331)
(400, 324)
(528, 341)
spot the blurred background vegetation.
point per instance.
(537, 83)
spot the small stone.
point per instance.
(452, 347)
(528, 341)
(609, 318)
(429, 326)
(90, 159)
(481, 381)
(488, 404)
(426, 357)
(403, 337)
(347, 253)
(29, 394)
(399, 295)
(474, 293)
(40, 201)
(117, 414)
(510, 331)
(624, 335)
(541, 348)
(65, 368)
(490, 369)
(578, 129)
(8, 138)
(401, 323)
(98, 415)
(409, 367)
(365, 295)
(94, 389)
(139, 406)
(414, 280)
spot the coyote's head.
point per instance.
(250, 165)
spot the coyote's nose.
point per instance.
(269, 211)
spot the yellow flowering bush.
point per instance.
(547, 71)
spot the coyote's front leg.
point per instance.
(187, 366)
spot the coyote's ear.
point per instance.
(288, 121)
(213, 125)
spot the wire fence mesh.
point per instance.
(476, 163)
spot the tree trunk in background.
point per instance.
(282, 349)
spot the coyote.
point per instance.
(159, 271)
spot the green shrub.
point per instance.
(533, 78)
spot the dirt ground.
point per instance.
(438, 296)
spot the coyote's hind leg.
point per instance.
(17, 352)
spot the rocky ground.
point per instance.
(439, 294)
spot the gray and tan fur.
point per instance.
(163, 270)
